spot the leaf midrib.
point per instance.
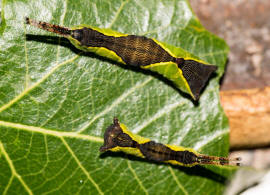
(52, 132)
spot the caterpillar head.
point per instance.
(114, 137)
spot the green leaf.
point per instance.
(55, 102)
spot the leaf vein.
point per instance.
(26, 60)
(136, 177)
(61, 23)
(158, 114)
(81, 166)
(26, 91)
(51, 132)
(115, 103)
(59, 106)
(8, 185)
(13, 170)
(117, 13)
(208, 138)
(177, 181)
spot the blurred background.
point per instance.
(245, 26)
(245, 91)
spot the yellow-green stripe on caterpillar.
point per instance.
(187, 73)
(117, 138)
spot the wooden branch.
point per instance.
(249, 116)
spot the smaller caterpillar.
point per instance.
(118, 139)
(188, 73)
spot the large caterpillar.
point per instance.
(118, 138)
(187, 73)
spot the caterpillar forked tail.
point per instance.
(196, 74)
(63, 31)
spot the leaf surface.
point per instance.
(56, 102)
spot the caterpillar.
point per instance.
(187, 73)
(117, 138)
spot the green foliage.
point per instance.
(55, 102)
